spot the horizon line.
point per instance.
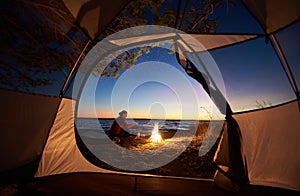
(154, 118)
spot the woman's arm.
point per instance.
(127, 126)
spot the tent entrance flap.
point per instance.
(61, 154)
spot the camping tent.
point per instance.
(43, 44)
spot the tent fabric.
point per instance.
(272, 148)
(94, 15)
(61, 154)
(232, 173)
(24, 126)
(42, 127)
(210, 42)
(115, 184)
(274, 14)
(205, 41)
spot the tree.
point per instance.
(41, 38)
(38, 38)
(193, 17)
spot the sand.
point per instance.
(187, 164)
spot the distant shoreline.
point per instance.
(152, 119)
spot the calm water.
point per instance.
(85, 125)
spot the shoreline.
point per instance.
(187, 164)
(148, 119)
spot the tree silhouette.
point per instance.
(41, 38)
(194, 17)
(38, 38)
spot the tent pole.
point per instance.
(73, 69)
(285, 66)
(177, 14)
(183, 14)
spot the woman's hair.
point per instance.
(122, 112)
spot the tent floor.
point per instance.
(116, 184)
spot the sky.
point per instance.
(157, 86)
(253, 75)
(251, 71)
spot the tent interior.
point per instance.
(50, 53)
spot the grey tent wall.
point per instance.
(271, 145)
(25, 123)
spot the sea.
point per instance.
(145, 126)
(92, 132)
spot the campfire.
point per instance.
(155, 136)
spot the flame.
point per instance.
(155, 136)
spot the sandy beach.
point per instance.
(187, 164)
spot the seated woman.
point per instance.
(120, 125)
